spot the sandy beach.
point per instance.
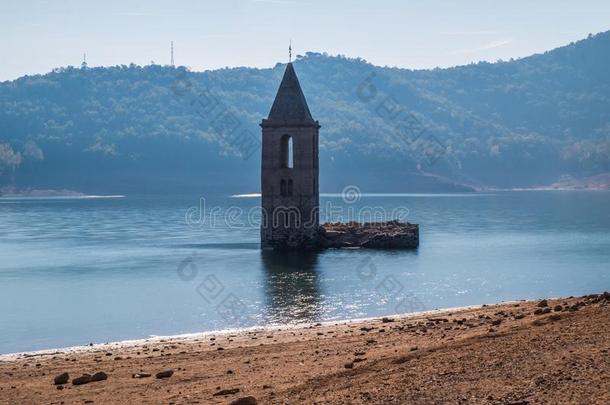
(549, 351)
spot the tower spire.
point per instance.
(172, 59)
(290, 51)
(84, 64)
(290, 103)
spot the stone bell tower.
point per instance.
(289, 170)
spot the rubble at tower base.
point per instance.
(373, 235)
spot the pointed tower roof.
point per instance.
(290, 105)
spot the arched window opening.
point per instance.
(283, 188)
(290, 187)
(287, 152)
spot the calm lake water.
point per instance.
(74, 271)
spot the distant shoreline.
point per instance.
(69, 194)
(8, 193)
(519, 189)
(440, 194)
(58, 197)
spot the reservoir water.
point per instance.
(81, 270)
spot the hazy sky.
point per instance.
(38, 35)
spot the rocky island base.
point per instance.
(372, 235)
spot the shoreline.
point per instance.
(552, 350)
(186, 337)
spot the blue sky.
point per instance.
(39, 35)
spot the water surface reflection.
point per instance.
(292, 286)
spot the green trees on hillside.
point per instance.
(499, 124)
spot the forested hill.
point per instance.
(133, 129)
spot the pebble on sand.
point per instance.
(99, 376)
(84, 379)
(165, 374)
(250, 400)
(229, 391)
(61, 379)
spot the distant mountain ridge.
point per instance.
(132, 129)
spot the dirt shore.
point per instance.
(555, 351)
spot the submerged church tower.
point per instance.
(289, 170)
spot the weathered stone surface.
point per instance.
(99, 376)
(289, 186)
(250, 400)
(84, 379)
(229, 391)
(61, 379)
(165, 374)
(373, 235)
